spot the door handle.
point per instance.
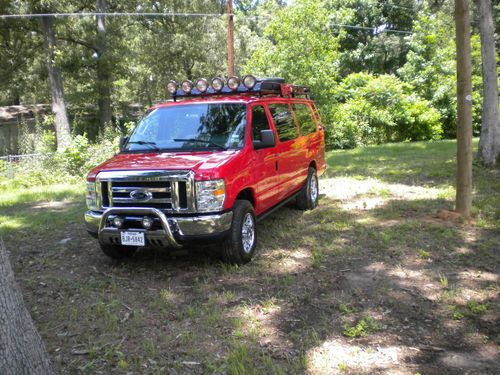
(276, 164)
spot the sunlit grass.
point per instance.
(37, 210)
(46, 193)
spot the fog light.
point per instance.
(233, 83)
(187, 86)
(172, 87)
(249, 81)
(202, 85)
(118, 222)
(217, 84)
(147, 222)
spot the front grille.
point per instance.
(160, 194)
(164, 190)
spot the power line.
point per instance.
(176, 14)
(377, 29)
(111, 14)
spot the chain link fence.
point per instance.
(11, 164)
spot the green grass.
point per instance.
(428, 164)
(417, 163)
(36, 210)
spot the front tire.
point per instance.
(309, 194)
(239, 246)
(117, 251)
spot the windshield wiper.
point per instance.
(200, 141)
(146, 143)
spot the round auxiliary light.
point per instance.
(147, 222)
(172, 87)
(187, 86)
(217, 84)
(202, 85)
(233, 83)
(249, 81)
(118, 222)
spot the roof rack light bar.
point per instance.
(247, 85)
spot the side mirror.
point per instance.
(123, 141)
(267, 140)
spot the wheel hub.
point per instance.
(248, 233)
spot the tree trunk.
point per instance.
(464, 109)
(21, 349)
(489, 143)
(103, 79)
(63, 133)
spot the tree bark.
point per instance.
(21, 349)
(489, 142)
(464, 109)
(103, 76)
(61, 122)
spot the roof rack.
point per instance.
(249, 85)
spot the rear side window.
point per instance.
(304, 118)
(283, 121)
(259, 122)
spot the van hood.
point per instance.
(202, 163)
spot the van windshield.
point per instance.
(191, 127)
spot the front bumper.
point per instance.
(170, 232)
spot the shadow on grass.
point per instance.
(368, 291)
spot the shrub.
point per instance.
(70, 165)
(378, 109)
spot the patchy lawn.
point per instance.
(380, 278)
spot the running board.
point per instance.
(265, 214)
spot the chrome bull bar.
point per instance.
(104, 232)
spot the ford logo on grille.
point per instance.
(141, 195)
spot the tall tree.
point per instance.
(464, 109)
(103, 79)
(489, 143)
(21, 348)
(61, 122)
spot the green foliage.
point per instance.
(476, 308)
(363, 327)
(299, 46)
(68, 166)
(371, 86)
(430, 67)
(379, 109)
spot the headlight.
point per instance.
(210, 195)
(91, 196)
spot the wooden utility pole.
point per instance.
(230, 39)
(464, 109)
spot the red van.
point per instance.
(206, 166)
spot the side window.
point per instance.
(304, 117)
(283, 121)
(259, 122)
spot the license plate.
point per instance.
(133, 238)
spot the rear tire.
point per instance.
(309, 194)
(239, 246)
(117, 251)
